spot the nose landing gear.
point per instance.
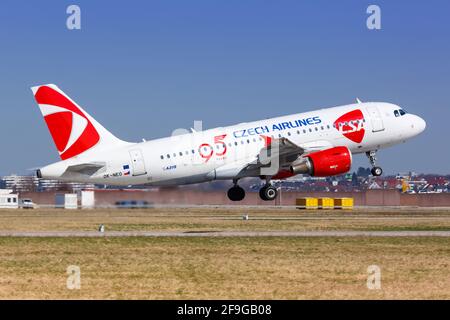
(376, 171)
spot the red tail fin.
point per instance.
(73, 130)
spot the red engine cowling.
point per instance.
(329, 162)
(283, 174)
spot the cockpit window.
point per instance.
(399, 112)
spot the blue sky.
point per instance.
(145, 68)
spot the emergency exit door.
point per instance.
(137, 162)
(375, 118)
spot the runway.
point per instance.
(229, 234)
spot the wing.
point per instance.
(277, 154)
(275, 158)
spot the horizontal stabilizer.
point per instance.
(85, 168)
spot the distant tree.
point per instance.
(355, 182)
(363, 172)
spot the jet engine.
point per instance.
(329, 162)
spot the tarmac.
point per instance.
(306, 234)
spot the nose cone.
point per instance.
(419, 124)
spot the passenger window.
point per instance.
(396, 113)
(289, 134)
(235, 143)
(168, 156)
(174, 154)
(181, 153)
(316, 129)
(193, 151)
(298, 131)
(304, 131)
(162, 157)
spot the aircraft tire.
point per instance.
(376, 171)
(236, 193)
(268, 193)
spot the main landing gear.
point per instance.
(267, 193)
(376, 171)
(236, 193)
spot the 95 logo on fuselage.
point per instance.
(218, 148)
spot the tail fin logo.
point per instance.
(351, 125)
(72, 131)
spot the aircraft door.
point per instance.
(375, 118)
(137, 162)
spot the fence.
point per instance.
(184, 196)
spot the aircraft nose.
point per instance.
(418, 124)
(421, 124)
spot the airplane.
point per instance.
(318, 143)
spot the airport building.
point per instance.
(21, 183)
(8, 200)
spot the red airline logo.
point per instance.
(71, 130)
(351, 125)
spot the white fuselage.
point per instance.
(221, 153)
